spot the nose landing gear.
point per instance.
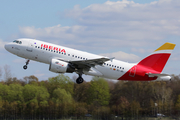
(25, 66)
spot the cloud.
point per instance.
(126, 20)
(112, 25)
(123, 56)
(141, 50)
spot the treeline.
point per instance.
(60, 97)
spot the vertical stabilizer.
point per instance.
(157, 60)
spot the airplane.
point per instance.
(66, 60)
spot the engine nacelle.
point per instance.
(59, 66)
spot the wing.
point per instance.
(86, 64)
(80, 64)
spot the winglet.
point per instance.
(111, 59)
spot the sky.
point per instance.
(128, 30)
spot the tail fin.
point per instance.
(157, 60)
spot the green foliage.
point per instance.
(4, 89)
(177, 105)
(59, 97)
(60, 81)
(15, 93)
(99, 92)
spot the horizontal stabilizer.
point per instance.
(156, 75)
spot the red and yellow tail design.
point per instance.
(154, 64)
(157, 60)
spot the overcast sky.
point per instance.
(128, 30)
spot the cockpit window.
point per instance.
(17, 41)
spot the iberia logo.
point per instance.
(53, 48)
(59, 63)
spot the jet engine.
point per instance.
(59, 66)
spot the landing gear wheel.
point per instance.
(25, 67)
(79, 80)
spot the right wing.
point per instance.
(87, 64)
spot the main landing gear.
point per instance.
(79, 80)
(25, 66)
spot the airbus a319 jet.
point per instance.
(66, 60)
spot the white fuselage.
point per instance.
(44, 52)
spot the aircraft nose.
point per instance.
(7, 46)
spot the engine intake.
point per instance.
(59, 66)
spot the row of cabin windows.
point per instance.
(113, 66)
(60, 52)
(75, 56)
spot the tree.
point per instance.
(15, 93)
(80, 109)
(135, 107)
(63, 100)
(4, 90)
(177, 105)
(31, 79)
(60, 81)
(81, 92)
(7, 72)
(99, 92)
(102, 113)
